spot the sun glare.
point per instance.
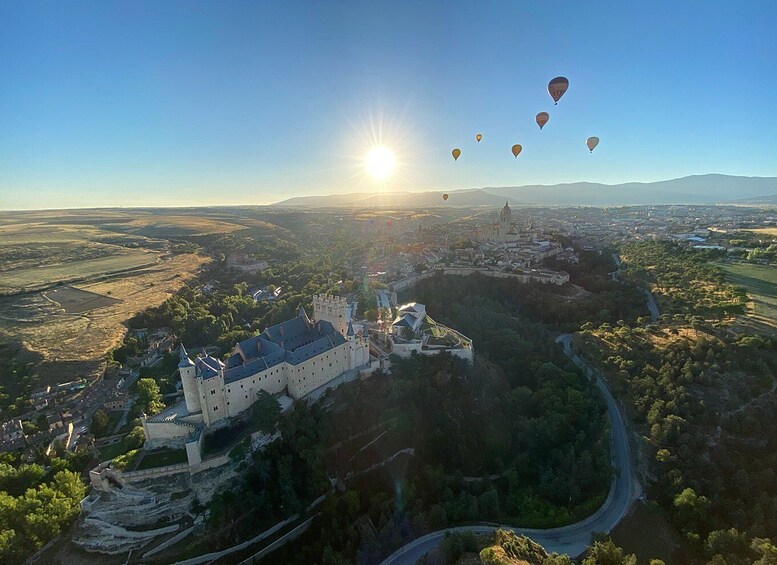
(379, 162)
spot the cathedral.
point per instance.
(294, 357)
(502, 231)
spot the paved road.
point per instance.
(572, 539)
(652, 306)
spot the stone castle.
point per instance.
(295, 357)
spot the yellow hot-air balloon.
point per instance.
(542, 119)
(517, 150)
(592, 142)
(456, 153)
(445, 197)
(557, 87)
(479, 137)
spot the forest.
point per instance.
(702, 399)
(530, 433)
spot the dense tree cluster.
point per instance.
(683, 280)
(35, 506)
(228, 314)
(703, 399)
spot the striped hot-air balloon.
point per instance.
(557, 87)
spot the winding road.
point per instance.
(572, 539)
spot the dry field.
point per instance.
(74, 344)
(760, 281)
(175, 226)
(69, 280)
(765, 231)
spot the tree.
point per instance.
(607, 553)
(691, 508)
(149, 397)
(265, 412)
(136, 437)
(99, 425)
(371, 315)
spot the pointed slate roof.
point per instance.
(350, 329)
(184, 360)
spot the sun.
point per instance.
(380, 162)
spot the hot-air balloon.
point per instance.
(517, 150)
(456, 153)
(479, 137)
(592, 142)
(445, 197)
(542, 119)
(557, 87)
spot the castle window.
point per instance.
(227, 402)
(215, 408)
(213, 391)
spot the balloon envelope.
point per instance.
(479, 137)
(557, 87)
(542, 119)
(456, 153)
(517, 150)
(592, 142)
(445, 197)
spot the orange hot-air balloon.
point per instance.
(592, 142)
(517, 150)
(479, 137)
(456, 153)
(542, 119)
(557, 87)
(445, 197)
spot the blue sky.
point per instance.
(195, 103)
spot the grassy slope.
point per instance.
(761, 284)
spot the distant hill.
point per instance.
(466, 197)
(698, 189)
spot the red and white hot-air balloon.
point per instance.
(591, 143)
(557, 87)
(542, 119)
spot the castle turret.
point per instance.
(188, 373)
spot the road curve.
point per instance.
(572, 539)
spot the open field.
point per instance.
(765, 231)
(67, 285)
(75, 300)
(77, 270)
(70, 279)
(175, 226)
(761, 284)
(74, 344)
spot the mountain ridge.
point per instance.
(712, 188)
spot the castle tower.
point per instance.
(189, 381)
(333, 309)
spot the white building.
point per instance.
(409, 316)
(431, 339)
(295, 357)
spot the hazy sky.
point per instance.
(187, 103)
